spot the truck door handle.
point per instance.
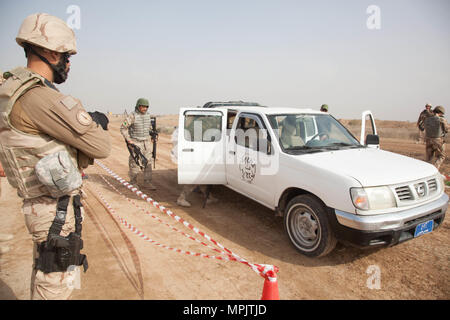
(232, 152)
(188, 150)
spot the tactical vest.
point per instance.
(19, 151)
(141, 127)
(433, 128)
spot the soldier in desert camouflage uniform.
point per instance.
(136, 130)
(36, 121)
(2, 173)
(3, 236)
(435, 130)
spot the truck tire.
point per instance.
(307, 225)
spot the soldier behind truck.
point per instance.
(436, 128)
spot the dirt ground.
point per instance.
(122, 265)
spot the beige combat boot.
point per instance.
(211, 199)
(148, 185)
(181, 201)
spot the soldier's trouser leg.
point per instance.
(39, 214)
(147, 151)
(421, 136)
(133, 170)
(439, 151)
(428, 151)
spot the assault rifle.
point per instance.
(154, 134)
(137, 155)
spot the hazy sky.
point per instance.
(278, 53)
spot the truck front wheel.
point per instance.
(307, 225)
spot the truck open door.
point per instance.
(201, 146)
(370, 140)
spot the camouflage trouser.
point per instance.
(39, 214)
(421, 137)
(435, 151)
(146, 149)
(189, 188)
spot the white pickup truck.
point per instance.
(309, 168)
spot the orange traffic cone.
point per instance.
(270, 290)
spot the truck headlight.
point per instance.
(372, 198)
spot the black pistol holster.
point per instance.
(57, 253)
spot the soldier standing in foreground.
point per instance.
(435, 131)
(136, 130)
(38, 123)
(3, 237)
(420, 122)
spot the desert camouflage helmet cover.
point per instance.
(47, 31)
(439, 109)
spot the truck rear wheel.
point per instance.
(307, 225)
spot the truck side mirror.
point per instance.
(373, 140)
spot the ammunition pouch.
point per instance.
(58, 173)
(57, 253)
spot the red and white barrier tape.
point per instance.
(139, 233)
(261, 269)
(161, 221)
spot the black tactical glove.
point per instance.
(100, 118)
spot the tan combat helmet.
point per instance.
(46, 31)
(439, 109)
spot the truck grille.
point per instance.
(416, 191)
(404, 193)
(432, 185)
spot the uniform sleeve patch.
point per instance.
(69, 102)
(84, 118)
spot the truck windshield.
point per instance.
(302, 133)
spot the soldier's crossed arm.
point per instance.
(65, 119)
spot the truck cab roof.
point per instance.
(271, 110)
(244, 106)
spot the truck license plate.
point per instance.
(423, 228)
